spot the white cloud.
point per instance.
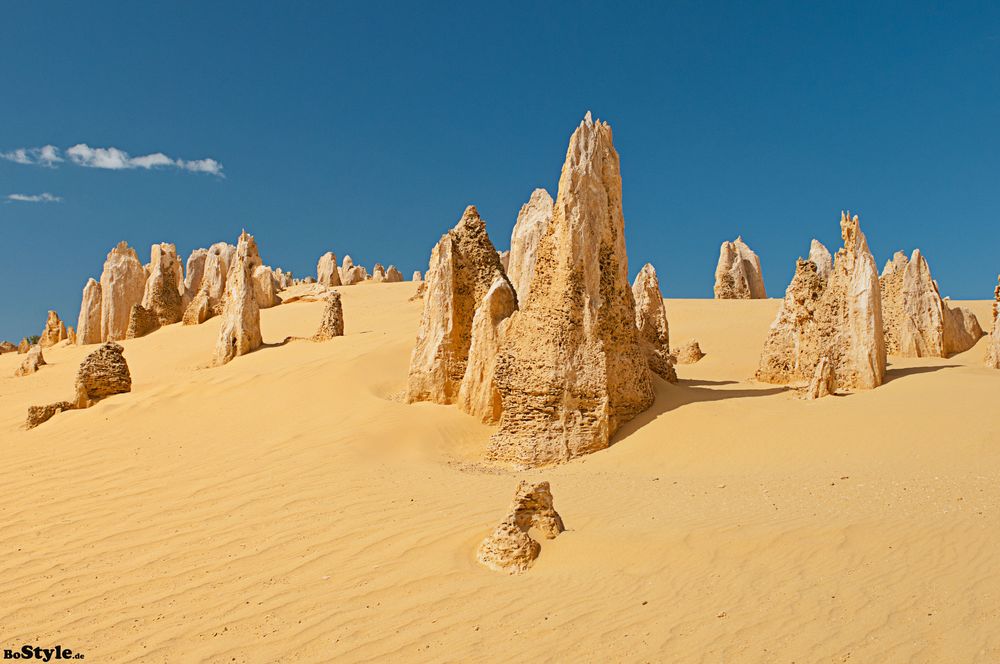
(34, 198)
(111, 158)
(47, 155)
(201, 166)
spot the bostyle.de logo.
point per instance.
(37, 653)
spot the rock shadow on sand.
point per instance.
(685, 392)
(894, 374)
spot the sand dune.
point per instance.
(288, 506)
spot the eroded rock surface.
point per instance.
(839, 318)
(208, 301)
(162, 294)
(477, 394)
(687, 353)
(326, 270)
(463, 267)
(917, 321)
(31, 362)
(88, 325)
(240, 330)
(571, 368)
(738, 275)
(332, 324)
(823, 382)
(532, 222)
(821, 258)
(266, 286)
(123, 282)
(509, 548)
(54, 331)
(102, 374)
(993, 349)
(141, 322)
(651, 321)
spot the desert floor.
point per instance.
(289, 507)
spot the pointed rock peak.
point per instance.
(588, 119)
(540, 196)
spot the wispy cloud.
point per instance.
(47, 155)
(111, 158)
(34, 198)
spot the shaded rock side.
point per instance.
(141, 322)
(477, 394)
(240, 330)
(651, 321)
(509, 548)
(571, 368)
(839, 318)
(463, 266)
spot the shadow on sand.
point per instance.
(893, 374)
(671, 397)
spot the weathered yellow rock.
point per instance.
(823, 382)
(993, 349)
(509, 548)
(332, 324)
(88, 325)
(478, 395)
(463, 266)
(326, 270)
(738, 275)
(54, 331)
(123, 282)
(839, 318)
(31, 362)
(571, 368)
(266, 286)
(687, 353)
(918, 322)
(162, 293)
(239, 333)
(651, 321)
(532, 222)
(820, 256)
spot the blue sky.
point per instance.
(366, 128)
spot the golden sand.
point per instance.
(288, 507)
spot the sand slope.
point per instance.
(288, 507)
